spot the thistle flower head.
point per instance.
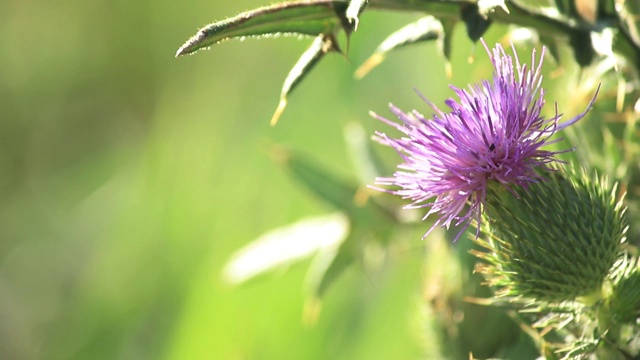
(557, 241)
(493, 133)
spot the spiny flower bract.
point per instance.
(493, 133)
(557, 240)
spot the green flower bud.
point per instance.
(556, 240)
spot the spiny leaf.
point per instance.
(551, 26)
(425, 29)
(320, 47)
(298, 17)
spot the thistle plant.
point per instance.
(554, 249)
(554, 241)
(491, 137)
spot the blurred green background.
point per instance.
(128, 177)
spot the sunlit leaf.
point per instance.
(486, 7)
(283, 246)
(297, 17)
(425, 29)
(320, 47)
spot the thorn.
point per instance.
(331, 44)
(373, 61)
(352, 15)
(504, 7)
(472, 55)
(556, 73)
(279, 110)
(362, 196)
(355, 24)
(187, 47)
(183, 49)
(311, 312)
(448, 70)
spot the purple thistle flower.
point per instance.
(493, 134)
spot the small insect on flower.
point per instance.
(491, 136)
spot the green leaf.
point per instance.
(366, 161)
(425, 29)
(321, 46)
(552, 44)
(445, 45)
(583, 50)
(286, 245)
(336, 191)
(331, 263)
(486, 7)
(476, 22)
(327, 266)
(299, 17)
(344, 195)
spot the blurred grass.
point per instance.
(129, 176)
